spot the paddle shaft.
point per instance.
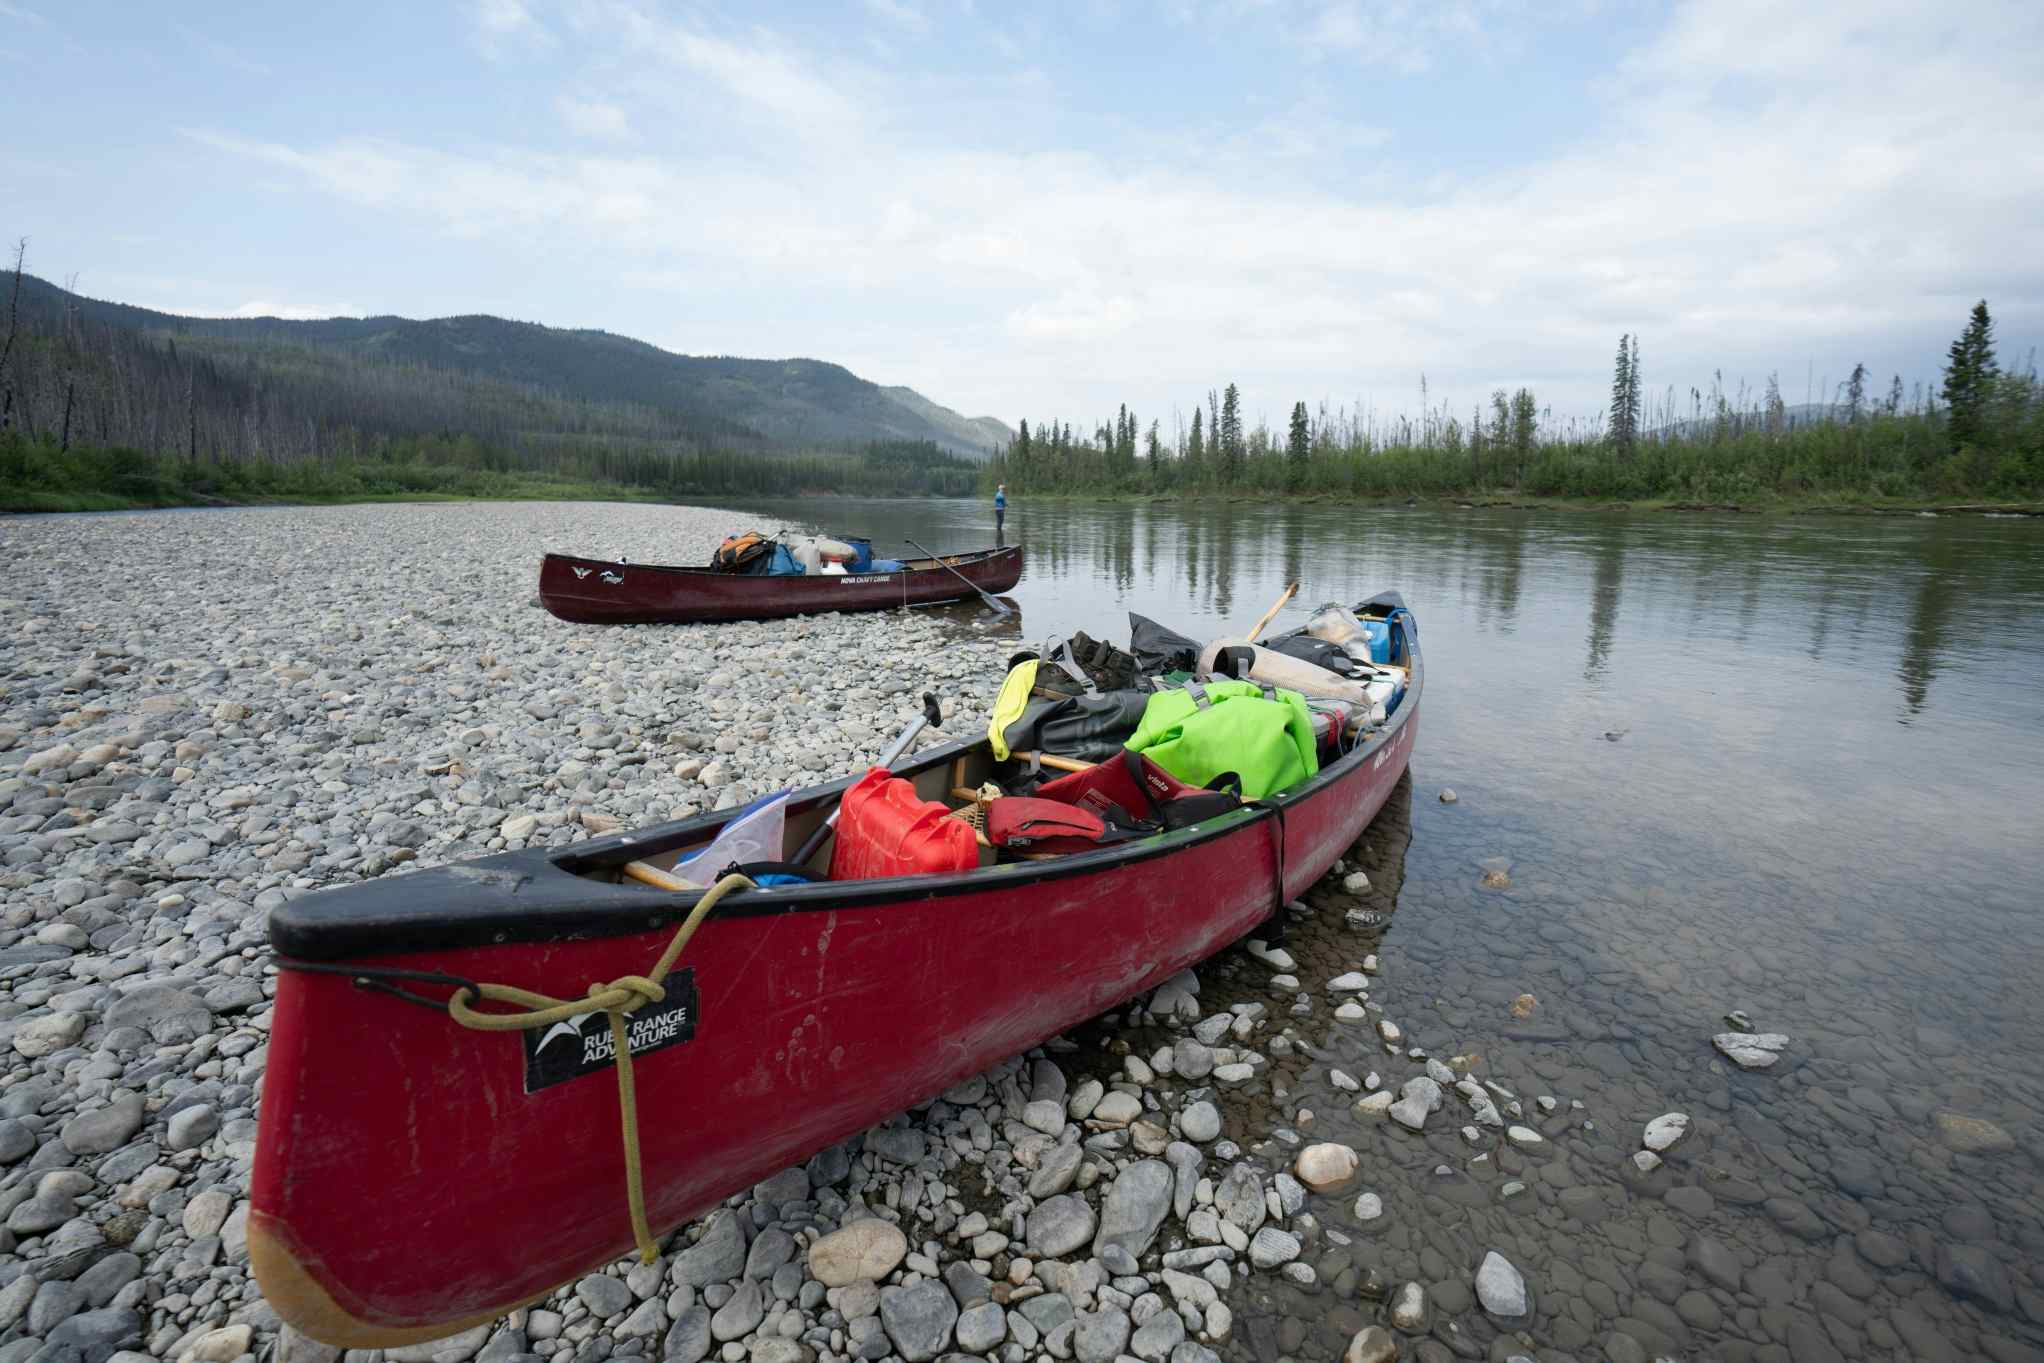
(930, 718)
(1275, 608)
(1055, 763)
(999, 609)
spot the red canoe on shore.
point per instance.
(595, 592)
(413, 1177)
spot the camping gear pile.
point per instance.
(759, 555)
(1230, 713)
(1168, 729)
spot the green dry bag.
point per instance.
(1201, 731)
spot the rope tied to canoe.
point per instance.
(617, 1000)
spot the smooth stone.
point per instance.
(1751, 1050)
(1271, 1247)
(918, 1319)
(864, 1251)
(1134, 1207)
(1501, 1288)
(741, 1315)
(1099, 1336)
(1200, 1122)
(717, 1257)
(1664, 1131)
(1055, 1171)
(1373, 1344)
(1326, 1166)
(1058, 1225)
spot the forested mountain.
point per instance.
(478, 375)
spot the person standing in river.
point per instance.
(1000, 510)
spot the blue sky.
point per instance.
(1047, 211)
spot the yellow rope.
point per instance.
(617, 1000)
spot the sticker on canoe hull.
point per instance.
(579, 1046)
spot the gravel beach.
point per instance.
(204, 714)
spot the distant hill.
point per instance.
(789, 404)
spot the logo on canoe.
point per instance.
(579, 1046)
(610, 577)
(581, 572)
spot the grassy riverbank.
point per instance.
(1803, 505)
(39, 476)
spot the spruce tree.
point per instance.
(1298, 446)
(1895, 396)
(1525, 419)
(1969, 379)
(1231, 436)
(1018, 458)
(1856, 395)
(1621, 401)
(1195, 449)
(1632, 392)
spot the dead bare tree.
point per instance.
(13, 324)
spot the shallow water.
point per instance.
(1790, 766)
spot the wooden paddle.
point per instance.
(999, 609)
(1278, 606)
(1053, 762)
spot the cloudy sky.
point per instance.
(1034, 210)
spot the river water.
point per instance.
(1789, 766)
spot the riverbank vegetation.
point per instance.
(1979, 436)
(104, 406)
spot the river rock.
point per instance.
(1239, 1199)
(1751, 1050)
(1325, 1167)
(1200, 1122)
(1100, 1336)
(864, 1251)
(104, 1129)
(918, 1319)
(1117, 1109)
(741, 1315)
(981, 1327)
(168, 1015)
(45, 1035)
(1971, 1135)
(689, 1340)
(1055, 1171)
(1134, 1208)
(98, 1335)
(1059, 1225)
(1664, 1131)
(1500, 1288)
(1271, 1247)
(1411, 1311)
(1373, 1344)
(717, 1257)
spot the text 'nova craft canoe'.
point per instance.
(592, 591)
(413, 1176)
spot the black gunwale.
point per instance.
(543, 895)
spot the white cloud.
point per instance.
(900, 13)
(9, 10)
(1848, 182)
(594, 118)
(503, 27)
(224, 53)
(295, 312)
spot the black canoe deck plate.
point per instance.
(579, 1046)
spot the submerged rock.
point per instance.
(1972, 1135)
(1751, 1050)
(1501, 1288)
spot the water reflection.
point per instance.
(1606, 576)
(1763, 835)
